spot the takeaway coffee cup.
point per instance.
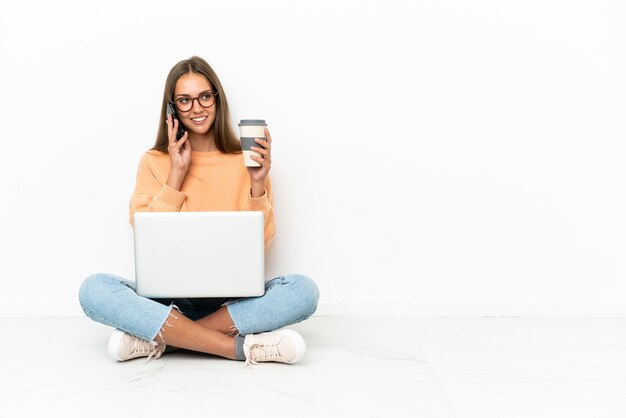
(248, 130)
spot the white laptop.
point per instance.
(199, 254)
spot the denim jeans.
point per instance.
(112, 300)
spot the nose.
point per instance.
(195, 105)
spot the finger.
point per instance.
(264, 158)
(174, 144)
(259, 160)
(265, 161)
(183, 139)
(170, 130)
(268, 136)
(186, 144)
(264, 143)
(174, 134)
(260, 150)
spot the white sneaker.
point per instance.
(123, 346)
(283, 346)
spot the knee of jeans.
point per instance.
(91, 288)
(307, 293)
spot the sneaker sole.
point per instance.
(114, 344)
(298, 342)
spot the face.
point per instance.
(198, 119)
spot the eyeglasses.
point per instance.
(206, 99)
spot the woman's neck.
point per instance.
(202, 143)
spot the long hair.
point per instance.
(225, 139)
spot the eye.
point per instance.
(206, 96)
(183, 101)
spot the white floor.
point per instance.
(355, 367)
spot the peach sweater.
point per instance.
(214, 182)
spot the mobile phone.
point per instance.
(171, 110)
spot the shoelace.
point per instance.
(262, 352)
(141, 346)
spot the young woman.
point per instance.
(203, 171)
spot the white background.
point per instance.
(430, 157)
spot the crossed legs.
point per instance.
(207, 335)
(111, 300)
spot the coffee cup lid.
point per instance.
(255, 122)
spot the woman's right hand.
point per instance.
(179, 152)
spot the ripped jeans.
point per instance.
(112, 300)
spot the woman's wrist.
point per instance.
(175, 179)
(257, 189)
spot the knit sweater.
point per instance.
(214, 182)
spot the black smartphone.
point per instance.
(171, 110)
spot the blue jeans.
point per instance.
(112, 300)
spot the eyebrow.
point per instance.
(189, 95)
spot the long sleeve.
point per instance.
(151, 193)
(264, 204)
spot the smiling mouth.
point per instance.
(200, 119)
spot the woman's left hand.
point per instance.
(259, 174)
